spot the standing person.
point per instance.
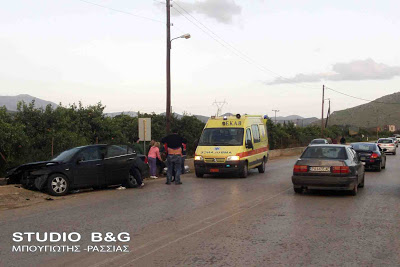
(183, 158)
(154, 154)
(174, 159)
(138, 148)
(152, 142)
(343, 140)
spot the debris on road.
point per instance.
(121, 188)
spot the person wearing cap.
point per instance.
(138, 148)
(174, 158)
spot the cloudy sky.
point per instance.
(257, 55)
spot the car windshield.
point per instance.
(325, 152)
(222, 137)
(66, 155)
(385, 141)
(364, 147)
(318, 141)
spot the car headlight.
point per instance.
(232, 158)
(198, 158)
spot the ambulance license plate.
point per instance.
(214, 170)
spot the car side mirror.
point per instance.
(249, 144)
(79, 160)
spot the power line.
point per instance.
(363, 99)
(121, 11)
(238, 52)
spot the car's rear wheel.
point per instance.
(384, 165)
(379, 167)
(261, 168)
(57, 185)
(354, 191)
(361, 185)
(245, 171)
(394, 153)
(131, 181)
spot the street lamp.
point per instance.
(186, 36)
(168, 113)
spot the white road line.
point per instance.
(204, 228)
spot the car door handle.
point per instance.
(130, 159)
(99, 164)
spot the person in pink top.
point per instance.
(154, 153)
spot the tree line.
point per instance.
(34, 134)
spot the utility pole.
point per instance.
(322, 114)
(275, 110)
(328, 114)
(168, 113)
(219, 106)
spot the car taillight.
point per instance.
(340, 169)
(391, 144)
(300, 168)
(374, 156)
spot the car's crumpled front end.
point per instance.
(31, 175)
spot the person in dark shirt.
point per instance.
(343, 140)
(174, 155)
(138, 148)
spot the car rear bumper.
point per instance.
(216, 168)
(371, 164)
(324, 182)
(390, 149)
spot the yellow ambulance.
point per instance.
(232, 144)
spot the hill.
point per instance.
(380, 112)
(296, 119)
(10, 102)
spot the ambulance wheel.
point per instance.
(261, 168)
(199, 174)
(245, 171)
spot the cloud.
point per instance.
(220, 10)
(354, 71)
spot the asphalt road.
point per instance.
(257, 221)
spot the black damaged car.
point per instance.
(94, 166)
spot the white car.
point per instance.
(388, 144)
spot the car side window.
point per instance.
(115, 150)
(256, 133)
(90, 153)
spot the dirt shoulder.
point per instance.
(14, 196)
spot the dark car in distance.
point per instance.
(94, 166)
(328, 167)
(371, 154)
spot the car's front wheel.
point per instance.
(57, 185)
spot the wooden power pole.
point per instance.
(322, 114)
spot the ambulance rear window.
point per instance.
(222, 137)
